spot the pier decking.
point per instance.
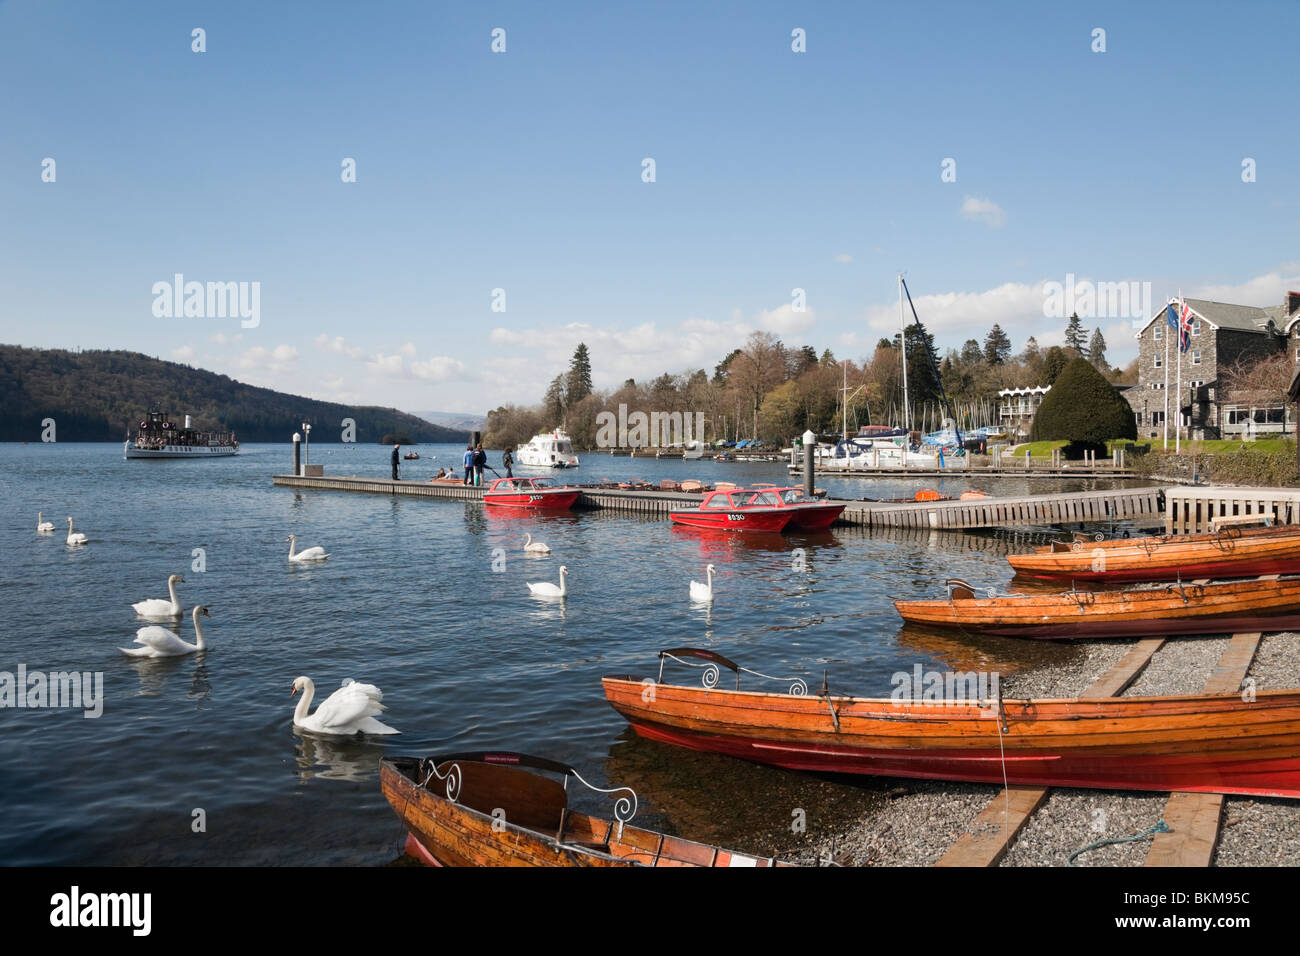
(1138, 505)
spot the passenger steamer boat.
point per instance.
(157, 437)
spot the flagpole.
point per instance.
(1178, 430)
(1166, 334)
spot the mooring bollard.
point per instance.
(809, 446)
(297, 454)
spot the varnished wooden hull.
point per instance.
(1217, 608)
(1233, 553)
(1216, 744)
(451, 833)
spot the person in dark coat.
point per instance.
(508, 460)
(480, 462)
(395, 460)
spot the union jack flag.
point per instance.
(1184, 326)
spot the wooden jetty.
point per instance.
(1138, 505)
(1194, 510)
(1193, 818)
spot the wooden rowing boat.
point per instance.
(1209, 743)
(488, 809)
(1228, 553)
(1263, 604)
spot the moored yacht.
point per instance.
(551, 450)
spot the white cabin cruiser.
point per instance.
(552, 450)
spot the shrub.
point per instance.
(1084, 409)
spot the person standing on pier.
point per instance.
(480, 462)
(395, 460)
(468, 460)
(507, 461)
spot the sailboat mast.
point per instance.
(846, 399)
(902, 324)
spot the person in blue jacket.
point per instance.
(468, 461)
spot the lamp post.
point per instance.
(307, 449)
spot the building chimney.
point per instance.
(1292, 303)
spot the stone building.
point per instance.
(1223, 334)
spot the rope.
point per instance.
(1160, 827)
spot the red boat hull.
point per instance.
(1195, 772)
(769, 520)
(537, 500)
(814, 517)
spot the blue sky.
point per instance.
(522, 171)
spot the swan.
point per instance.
(75, 537)
(703, 592)
(157, 641)
(535, 547)
(349, 710)
(547, 589)
(310, 554)
(43, 526)
(156, 609)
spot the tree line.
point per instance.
(99, 395)
(772, 391)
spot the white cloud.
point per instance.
(1016, 306)
(1263, 290)
(221, 338)
(440, 368)
(183, 354)
(784, 320)
(844, 257)
(983, 210)
(408, 350)
(282, 358)
(338, 346)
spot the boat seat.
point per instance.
(528, 800)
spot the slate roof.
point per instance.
(1225, 315)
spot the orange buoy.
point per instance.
(928, 494)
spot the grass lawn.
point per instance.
(1223, 446)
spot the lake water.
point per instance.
(410, 600)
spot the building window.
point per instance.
(1158, 333)
(1196, 326)
(1157, 386)
(1196, 358)
(1157, 418)
(1160, 361)
(1297, 352)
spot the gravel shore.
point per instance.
(918, 821)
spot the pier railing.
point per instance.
(1193, 510)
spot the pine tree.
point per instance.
(997, 347)
(577, 383)
(922, 360)
(1076, 335)
(1097, 350)
(554, 402)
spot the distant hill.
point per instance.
(96, 395)
(455, 420)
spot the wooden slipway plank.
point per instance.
(1193, 818)
(1014, 805)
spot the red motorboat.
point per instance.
(761, 508)
(537, 493)
(810, 514)
(736, 511)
